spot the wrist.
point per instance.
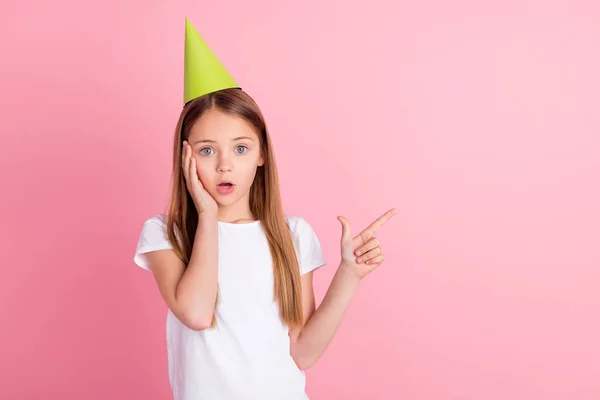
(208, 216)
(348, 274)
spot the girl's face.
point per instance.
(226, 149)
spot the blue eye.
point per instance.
(203, 152)
(241, 146)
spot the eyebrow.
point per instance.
(233, 140)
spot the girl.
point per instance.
(235, 272)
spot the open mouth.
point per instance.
(225, 187)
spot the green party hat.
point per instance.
(203, 71)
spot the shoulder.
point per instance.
(158, 220)
(153, 236)
(298, 225)
(294, 220)
(154, 228)
(158, 223)
(308, 247)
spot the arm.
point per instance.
(360, 256)
(190, 293)
(320, 326)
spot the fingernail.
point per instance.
(358, 252)
(359, 260)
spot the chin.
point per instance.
(224, 201)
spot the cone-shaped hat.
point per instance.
(203, 72)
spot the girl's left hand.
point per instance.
(362, 254)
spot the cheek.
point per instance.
(202, 171)
(250, 173)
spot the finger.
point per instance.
(369, 255)
(375, 261)
(378, 223)
(183, 154)
(196, 174)
(183, 149)
(371, 244)
(185, 162)
(193, 173)
(346, 231)
(188, 167)
(190, 160)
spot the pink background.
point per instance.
(477, 120)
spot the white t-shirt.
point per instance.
(247, 356)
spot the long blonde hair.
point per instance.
(265, 199)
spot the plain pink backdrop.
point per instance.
(478, 121)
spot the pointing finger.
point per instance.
(369, 231)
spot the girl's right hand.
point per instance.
(202, 199)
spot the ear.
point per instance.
(261, 161)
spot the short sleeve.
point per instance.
(152, 237)
(308, 247)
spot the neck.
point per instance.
(238, 212)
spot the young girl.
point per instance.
(235, 272)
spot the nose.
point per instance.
(224, 164)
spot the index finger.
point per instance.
(370, 230)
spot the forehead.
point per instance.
(220, 126)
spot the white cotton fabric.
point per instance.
(247, 356)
